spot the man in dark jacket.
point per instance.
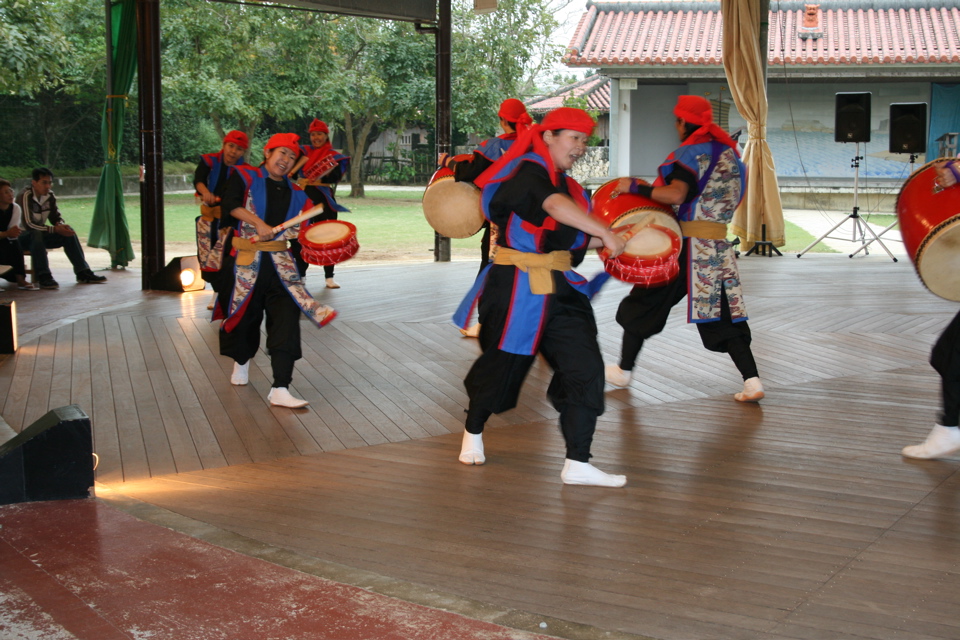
(44, 228)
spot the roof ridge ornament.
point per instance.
(810, 29)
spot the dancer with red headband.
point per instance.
(530, 299)
(209, 180)
(705, 180)
(266, 278)
(322, 159)
(944, 439)
(513, 118)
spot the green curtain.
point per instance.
(108, 229)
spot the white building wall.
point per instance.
(800, 127)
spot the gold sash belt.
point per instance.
(303, 182)
(704, 230)
(539, 266)
(247, 251)
(210, 213)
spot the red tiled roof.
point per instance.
(596, 89)
(689, 32)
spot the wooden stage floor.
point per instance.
(794, 518)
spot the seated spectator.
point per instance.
(10, 253)
(44, 228)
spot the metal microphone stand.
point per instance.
(859, 226)
(913, 159)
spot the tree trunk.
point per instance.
(217, 125)
(357, 145)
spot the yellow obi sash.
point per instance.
(247, 251)
(704, 230)
(209, 213)
(539, 266)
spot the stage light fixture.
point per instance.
(181, 274)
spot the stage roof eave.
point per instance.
(406, 10)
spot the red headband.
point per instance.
(696, 110)
(532, 138)
(319, 125)
(238, 138)
(511, 110)
(568, 118)
(286, 140)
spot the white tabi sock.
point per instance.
(752, 391)
(616, 376)
(241, 373)
(940, 443)
(281, 397)
(471, 451)
(585, 473)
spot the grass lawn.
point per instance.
(390, 225)
(798, 240)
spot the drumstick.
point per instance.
(632, 231)
(306, 215)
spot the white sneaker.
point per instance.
(241, 374)
(472, 332)
(584, 473)
(281, 397)
(471, 451)
(616, 376)
(941, 442)
(752, 391)
(331, 284)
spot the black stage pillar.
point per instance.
(441, 244)
(151, 139)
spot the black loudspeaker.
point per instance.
(8, 327)
(853, 117)
(52, 459)
(908, 127)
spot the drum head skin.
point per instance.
(648, 218)
(938, 260)
(452, 208)
(327, 232)
(651, 242)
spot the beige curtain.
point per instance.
(743, 63)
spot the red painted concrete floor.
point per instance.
(82, 569)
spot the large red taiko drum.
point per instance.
(650, 258)
(930, 227)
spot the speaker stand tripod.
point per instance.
(913, 160)
(762, 246)
(860, 228)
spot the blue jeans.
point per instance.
(37, 243)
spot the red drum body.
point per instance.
(930, 227)
(651, 255)
(452, 208)
(316, 168)
(328, 242)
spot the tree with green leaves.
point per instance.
(386, 80)
(53, 62)
(238, 65)
(499, 55)
(34, 46)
